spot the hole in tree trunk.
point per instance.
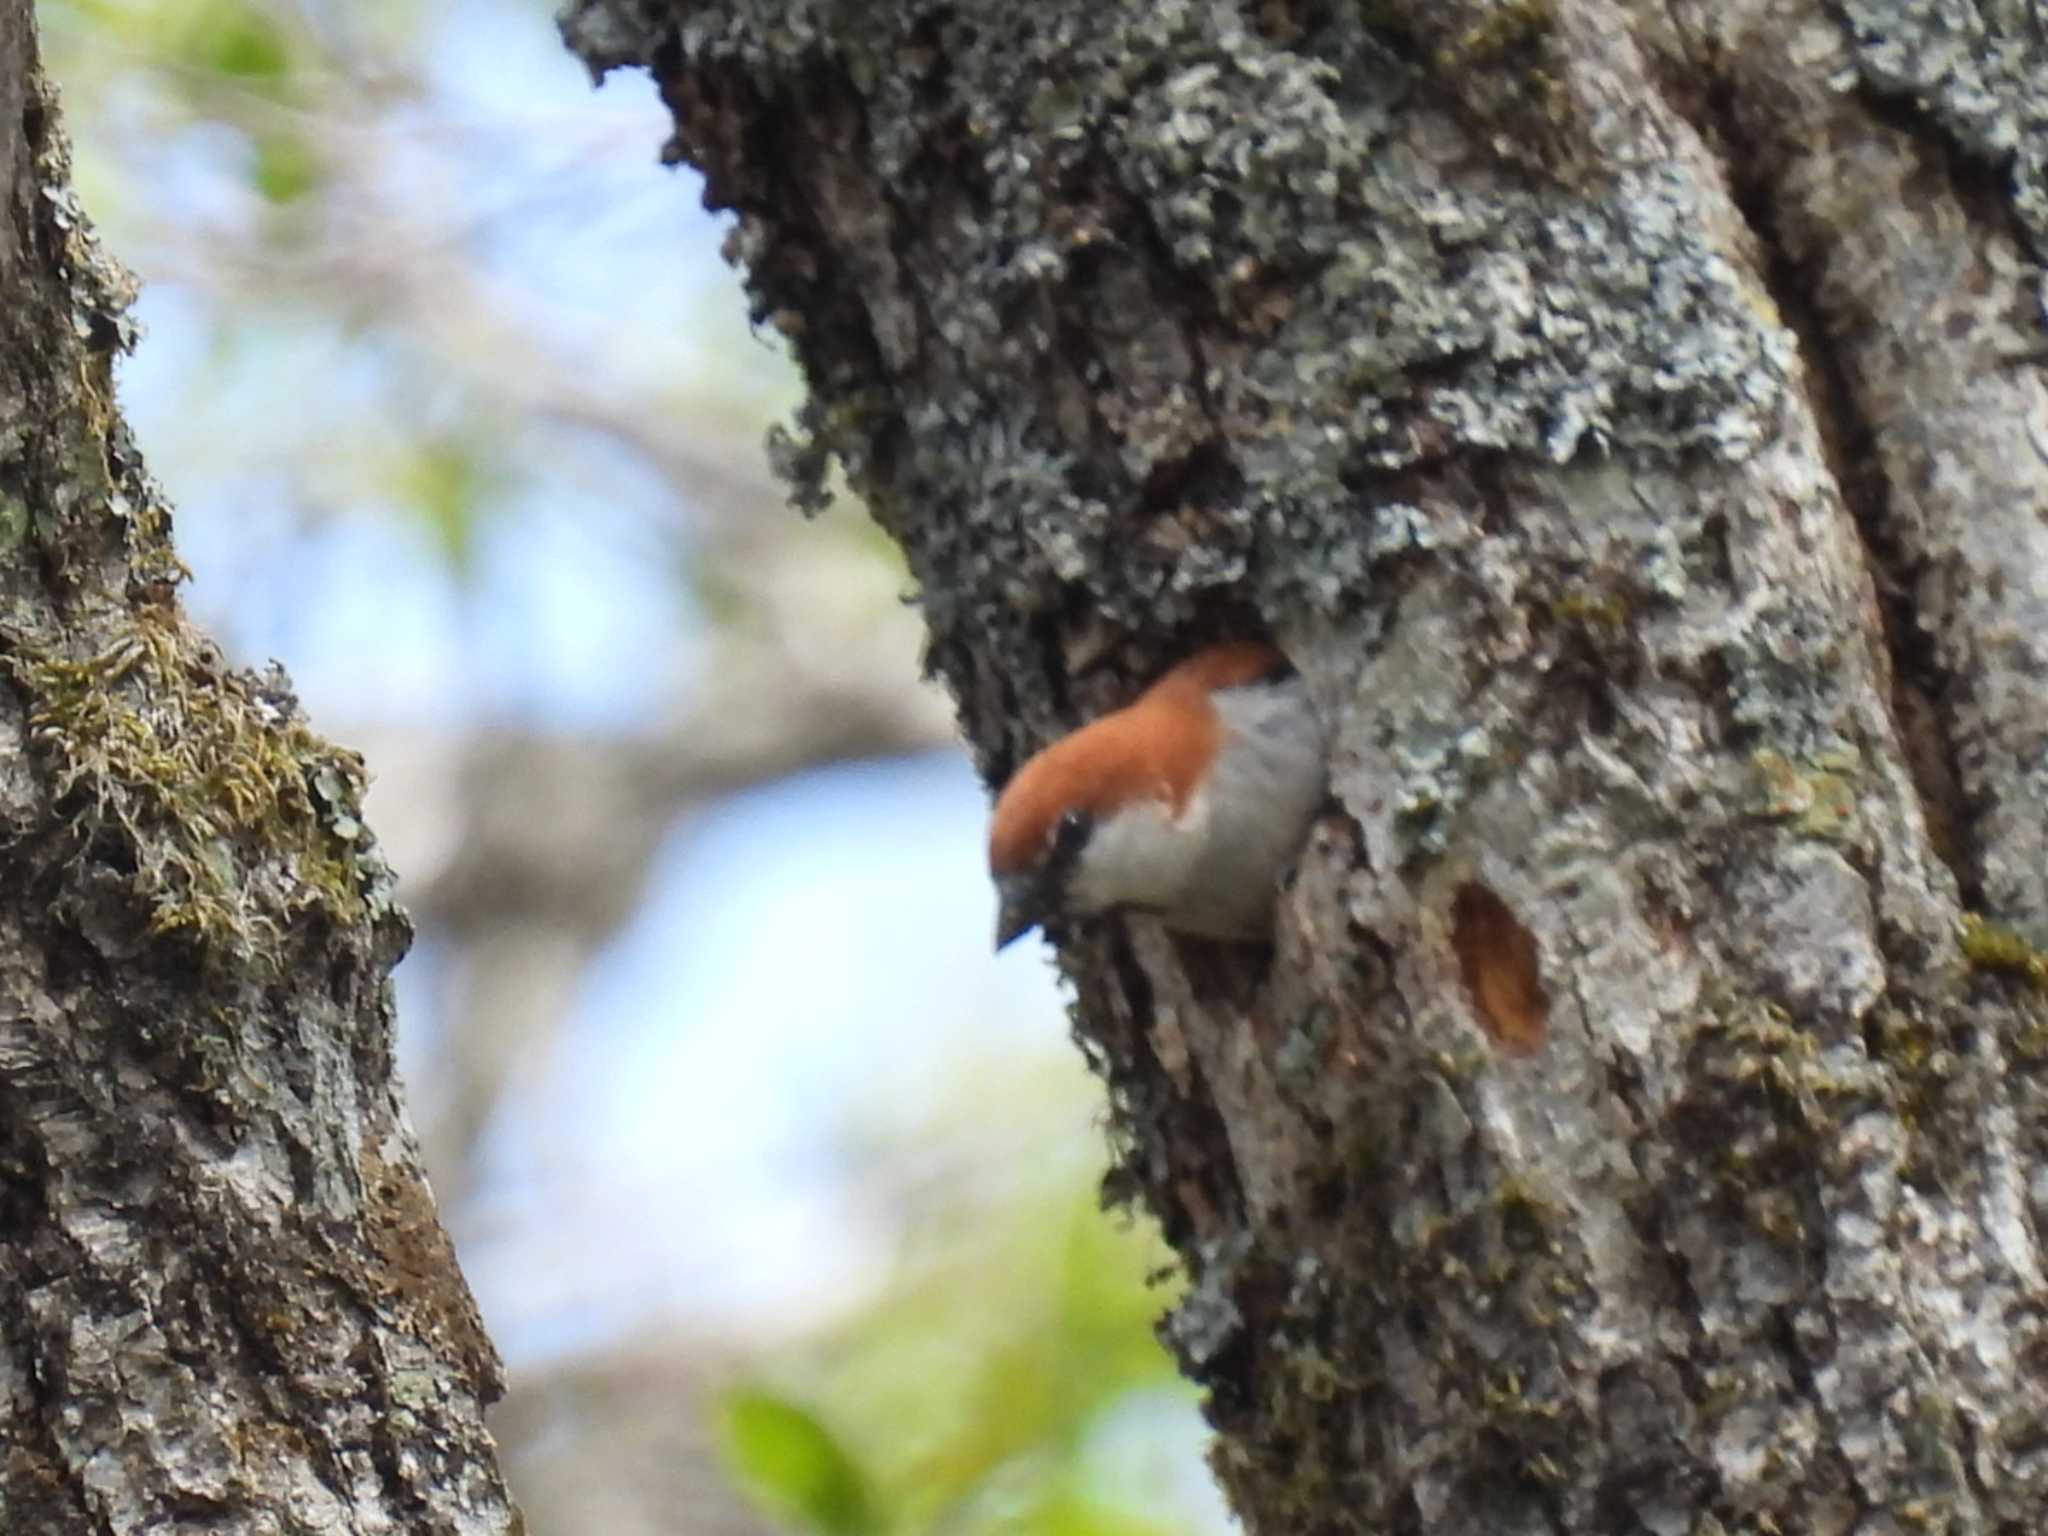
(1502, 974)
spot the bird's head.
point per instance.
(1109, 815)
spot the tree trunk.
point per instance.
(1631, 420)
(225, 1300)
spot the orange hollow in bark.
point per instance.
(1498, 956)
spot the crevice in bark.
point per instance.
(1199, 1188)
(1968, 1450)
(1912, 670)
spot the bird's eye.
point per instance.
(1069, 834)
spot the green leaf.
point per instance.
(238, 40)
(285, 168)
(446, 485)
(787, 1456)
(1062, 1512)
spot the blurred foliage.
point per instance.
(286, 167)
(243, 41)
(388, 268)
(787, 1455)
(976, 1395)
(447, 482)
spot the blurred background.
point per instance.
(777, 1190)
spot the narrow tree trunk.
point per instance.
(226, 1303)
(1631, 419)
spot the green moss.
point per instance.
(1817, 797)
(238, 819)
(1761, 1047)
(1505, 33)
(1990, 948)
(1591, 609)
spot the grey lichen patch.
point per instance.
(237, 819)
(101, 289)
(1785, 662)
(1206, 1318)
(1979, 69)
(1810, 932)
(1246, 156)
(1147, 308)
(1487, 313)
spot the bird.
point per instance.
(1188, 803)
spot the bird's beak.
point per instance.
(1012, 925)
(1017, 910)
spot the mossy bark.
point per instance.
(1631, 419)
(225, 1299)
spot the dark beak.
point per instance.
(1017, 909)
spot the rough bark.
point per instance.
(226, 1303)
(1630, 417)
